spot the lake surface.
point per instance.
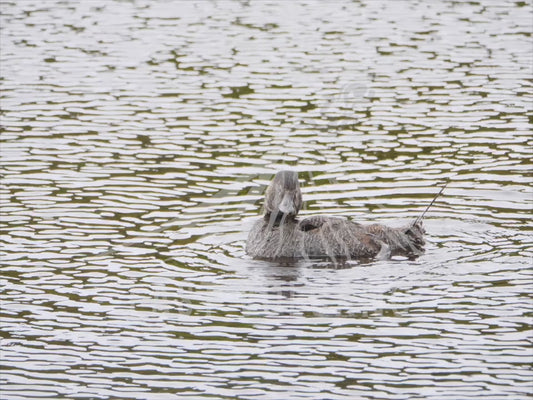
(137, 141)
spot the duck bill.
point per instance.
(287, 206)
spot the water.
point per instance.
(137, 140)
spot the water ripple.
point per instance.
(137, 141)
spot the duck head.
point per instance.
(283, 198)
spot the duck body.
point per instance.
(280, 235)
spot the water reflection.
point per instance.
(137, 140)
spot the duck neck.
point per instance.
(278, 218)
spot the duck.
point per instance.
(281, 235)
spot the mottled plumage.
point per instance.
(280, 235)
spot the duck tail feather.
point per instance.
(418, 220)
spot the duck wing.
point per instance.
(318, 221)
(337, 237)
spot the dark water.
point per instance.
(138, 137)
